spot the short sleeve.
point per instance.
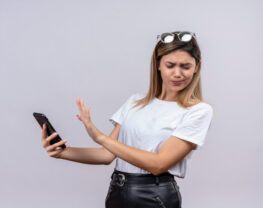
(121, 113)
(195, 125)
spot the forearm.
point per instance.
(86, 155)
(140, 158)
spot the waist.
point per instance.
(137, 178)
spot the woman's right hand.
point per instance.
(53, 150)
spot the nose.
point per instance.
(177, 72)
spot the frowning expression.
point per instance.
(177, 69)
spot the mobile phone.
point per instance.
(41, 119)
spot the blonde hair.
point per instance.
(191, 94)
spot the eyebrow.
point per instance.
(181, 63)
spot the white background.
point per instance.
(53, 51)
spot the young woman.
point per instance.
(154, 132)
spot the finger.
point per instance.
(46, 141)
(78, 117)
(53, 146)
(84, 108)
(88, 112)
(78, 100)
(79, 105)
(44, 131)
(52, 136)
(54, 153)
(58, 148)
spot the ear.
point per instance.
(196, 68)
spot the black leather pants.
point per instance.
(132, 190)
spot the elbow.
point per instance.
(158, 169)
(155, 172)
(108, 162)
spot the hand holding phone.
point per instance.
(55, 149)
(50, 141)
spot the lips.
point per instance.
(177, 82)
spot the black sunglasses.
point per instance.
(168, 37)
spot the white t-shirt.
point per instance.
(148, 128)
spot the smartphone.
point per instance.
(41, 119)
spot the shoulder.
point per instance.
(201, 108)
(133, 97)
(137, 95)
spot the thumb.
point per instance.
(78, 117)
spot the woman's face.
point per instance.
(176, 66)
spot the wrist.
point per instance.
(62, 154)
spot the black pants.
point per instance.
(132, 190)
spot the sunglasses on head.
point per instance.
(168, 37)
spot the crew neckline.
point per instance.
(164, 101)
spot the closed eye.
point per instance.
(183, 67)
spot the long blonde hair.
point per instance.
(191, 94)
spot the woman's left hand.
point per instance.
(84, 116)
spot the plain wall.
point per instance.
(53, 51)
